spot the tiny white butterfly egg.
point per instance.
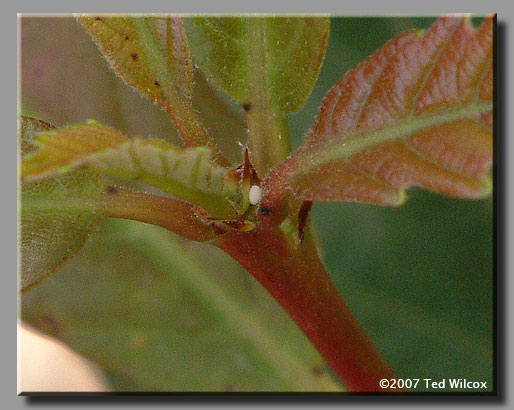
(255, 195)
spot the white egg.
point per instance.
(255, 195)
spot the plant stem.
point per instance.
(298, 281)
(172, 214)
(292, 273)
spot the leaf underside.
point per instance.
(417, 112)
(57, 214)
(151, 55)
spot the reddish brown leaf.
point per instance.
(417, 112)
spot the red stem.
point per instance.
(172, 214)
(292, 273)
(298, 281)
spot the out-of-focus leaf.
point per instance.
(417, 112)
(420, 282)
(188, 174)
(279, 54)
(66, 51)
(151, 55)
(160, 314)
(57, 215)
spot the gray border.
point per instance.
(235, 6)
(8, 248)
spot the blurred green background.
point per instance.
(160, 313)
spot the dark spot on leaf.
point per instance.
(127, 38)
(157, 83)
(98, 19)
(111, 189)
(317, 370)
(247, 106)
(264, 211)
(134, 56)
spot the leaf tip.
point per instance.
(487, 187)
(401, 198)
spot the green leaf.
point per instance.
(284, 52)
(151, 55)
(57, 214)
(151, 310)
(269, 65)
(189, 174)
(222, 117)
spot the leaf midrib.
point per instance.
(345, 146)
(268, 129)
